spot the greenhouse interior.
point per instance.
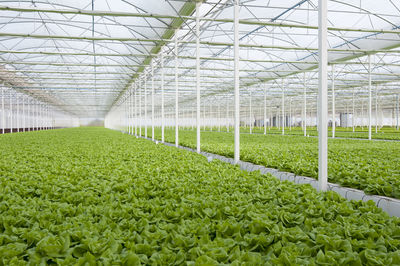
(199, 132)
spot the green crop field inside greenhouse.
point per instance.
(199, 132)
(84, 195)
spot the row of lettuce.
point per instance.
(96, 196)
(382, 133)
(373, 167)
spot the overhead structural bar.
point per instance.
(183, 17)
(164, 41)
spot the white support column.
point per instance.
(17, 116)
(305, 106)
(198, 76)
(227, 115)
(140, 107)
(290, 113)
(265, 109)
(362, 115)
(369, 99)
(322, 96)
(145, 105)
(376, 109)
(333, 103)
(41, 116)
(132, 109)
(128, 100)
(176, 92)
(236, 82)
(283, 107)
(23, 114)
(11, 113)
(219, 117)
(162, 98)
(250, 115)
(136, 109)
(353, 110)
(37, 114)
(3, 115)
(397, 112)
(152, 100)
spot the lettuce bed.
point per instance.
(93, 196)
(373, 167)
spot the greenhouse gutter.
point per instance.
(389, 205)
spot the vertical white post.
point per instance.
(35, 120)
(211, 116)
(219, 117)
(129, 111)
(250, 115)
(283, 107)
(227, 115)
(333, 103)
(152, 100)
(176, 92)
(136, 108)
(198, 76)
(3, 115)
(145, 105)
(236, 82)
(132, 109)
(369, 99)
(11, 113)
(353, 109)
(376, 109)
(265, 109)
(140, 107)
(362, 115)
(23, 114)
(305, 106)
(17, 116)
(162, 98)
(322, 96)
(397, 112)
(290, 113)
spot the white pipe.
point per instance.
(145, 105)
(369, 99)
(333, 103)
(322, 96)
(397, 112)
(290, 113)
(283, 107)
(129, 112)
(250, 115)
(227, 116)
(17, 116)
(11, 113)
(140, 107)
(236, 82)
(376, 109)
(152, 100)
(3, 119)
(265, 109)
(219, 117)
(198, 76)
(305, 106)
(176, 92)
(23, 114)
(162, 98)
(353, 110)
(136, 108)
